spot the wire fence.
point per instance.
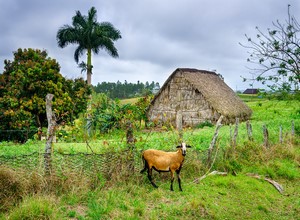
(88, 164)
(92, 163)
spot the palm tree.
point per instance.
(90, 36)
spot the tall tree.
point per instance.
(276, 55)
(24, 85)
(90, 36)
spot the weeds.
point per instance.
(36, 208)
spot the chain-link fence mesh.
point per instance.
(89, 164)
(115, 158)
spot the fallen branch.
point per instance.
(209, 174)
(274, 183)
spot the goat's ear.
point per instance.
(188, 146)
(179, 146)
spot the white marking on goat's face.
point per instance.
(183, 148)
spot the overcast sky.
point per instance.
(158, 36)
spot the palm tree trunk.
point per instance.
(89, 82)
(89, 67)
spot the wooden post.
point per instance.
(179, 113)
(179, 124)
(213, 141)
(293, 131)
(230, 135)
(50, 133)
(129, 135)
(266, 136)
(249, 130)
(235, 134)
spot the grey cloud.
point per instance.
(157, 36)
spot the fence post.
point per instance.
(236, 130)
(266, 136)
(249, 130)
(293, 131)
(213, 141)
(51, 132)
(130, 144)
(179, 124)
(230, 135)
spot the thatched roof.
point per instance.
(214, 90)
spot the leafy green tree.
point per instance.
(90, 36)
(24, 85)
(142, 105)
(276, 55)
(110, 114)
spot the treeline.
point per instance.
(126, 90)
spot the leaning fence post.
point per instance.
(266, 136)
(179, 124)
(230, 135)
(293, 130)
(213, 141)
(50, 133)
(235, 134)
(249, 130)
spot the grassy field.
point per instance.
(130, 196)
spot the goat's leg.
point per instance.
(145, 166)
(150, 177)
(172, 180)
(179, 179)
(143, 170)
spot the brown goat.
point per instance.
(163, 161)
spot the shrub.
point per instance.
(204, 124)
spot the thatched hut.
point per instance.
(251, 91)
(190, 97)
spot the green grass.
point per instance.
(131, 196)
(215, 197)
(129, 101)
(36, 208)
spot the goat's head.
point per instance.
(183, 147)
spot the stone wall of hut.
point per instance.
(180, 101)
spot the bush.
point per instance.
(204, 124)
